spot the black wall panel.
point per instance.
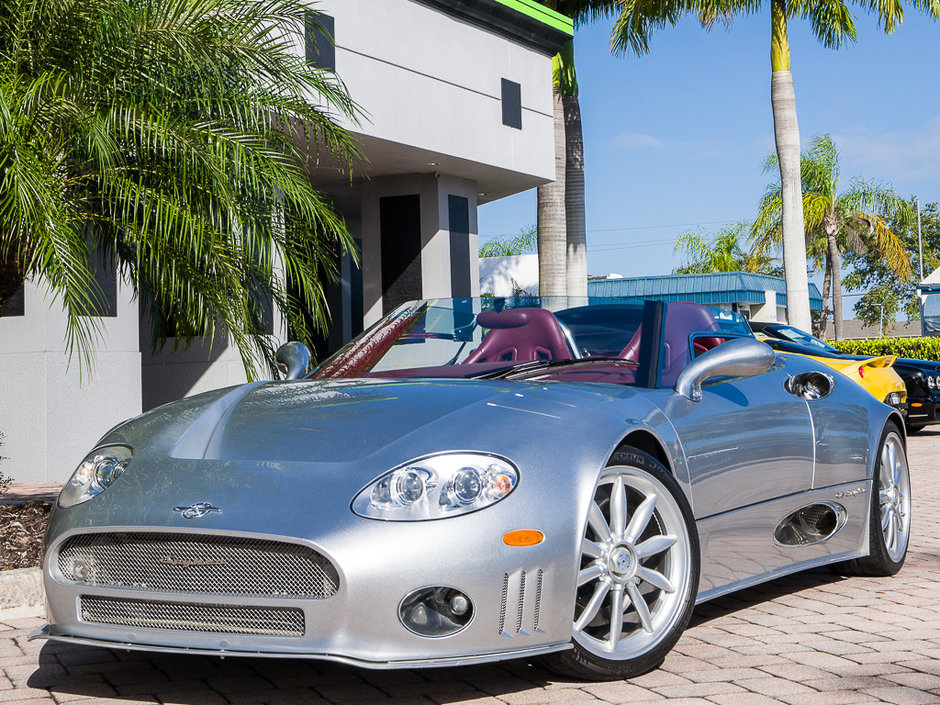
(400, 227)
(458, 209)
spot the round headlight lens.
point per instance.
(467, 485)
(96, 473)
(438, 486)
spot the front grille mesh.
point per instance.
(181, 616)
(186, 563)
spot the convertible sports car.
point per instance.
(473, 480)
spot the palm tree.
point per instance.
(174, 137)
(833, 25)
(561, 211)
(852, 221)
(722, 252)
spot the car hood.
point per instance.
(345, 421)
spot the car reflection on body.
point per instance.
(473, 480)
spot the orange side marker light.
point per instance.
(523, 537)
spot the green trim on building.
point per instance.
(542, 14)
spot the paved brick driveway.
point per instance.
(813, 638)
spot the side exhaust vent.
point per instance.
(811, 524)
(521, 603)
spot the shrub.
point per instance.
(915, 348)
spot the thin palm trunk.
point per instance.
(551, 216)
(574, 198)
(787, 137)
(827, 286)
(835, 264)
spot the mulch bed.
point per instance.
(21, 531)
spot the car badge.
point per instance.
(189, 562)
(197, 510)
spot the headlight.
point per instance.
(436, 487)
(933, 382)
(95, 474)
(894, 399)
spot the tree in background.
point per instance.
(524, 243)
(173, 137)
(722, 252)
(833, 25)
(855, 221)
(888, 294)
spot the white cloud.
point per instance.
(893, 156)
(638, 140)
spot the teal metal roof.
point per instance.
(714, 288)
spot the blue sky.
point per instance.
(675, 140)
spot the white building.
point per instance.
(457, 100)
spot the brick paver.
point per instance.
(808, 639)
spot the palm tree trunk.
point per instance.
(827, 286)
(574, 199)
(835, 263)
(551, 216)
(787, 137)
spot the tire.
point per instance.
(889, 520)
(913, 429)
(640, 554)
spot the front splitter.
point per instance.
(44, 632)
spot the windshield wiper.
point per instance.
(521, 368)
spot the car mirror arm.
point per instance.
(293, 360)
(740, 357)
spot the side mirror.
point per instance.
(293, 360)
(739, 357)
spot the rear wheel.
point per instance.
(638, 574)
(889, 512)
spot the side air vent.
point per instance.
(521, 602)
(811, 524)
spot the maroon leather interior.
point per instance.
(520, 334)
(683, 319)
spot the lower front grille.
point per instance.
(189, 617)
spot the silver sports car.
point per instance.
(479, 479)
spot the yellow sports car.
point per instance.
(875, 374)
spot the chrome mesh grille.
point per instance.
(181, 616)
(187, 563)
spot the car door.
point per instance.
(746, 442)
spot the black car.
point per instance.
(921, 377)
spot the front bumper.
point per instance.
(923, 411)
(522, 597)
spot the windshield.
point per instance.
(795, 335)
(475, 337)
(585, 340)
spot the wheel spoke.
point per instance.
(890, 533)
(589, 548)
(618, 508)
(616, 618)
(642, 609)
(593, 605)
(656, 579)
(884, 496)
(654, 545)
(641, 518)
(597, 522)
(885, 518)
(592, 572)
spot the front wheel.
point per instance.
(638, 573)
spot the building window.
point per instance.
(512, 104)
(320, 34)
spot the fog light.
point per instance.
(435, 611)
